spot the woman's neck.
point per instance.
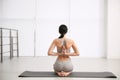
(64, 37)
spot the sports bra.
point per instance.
(63, 44)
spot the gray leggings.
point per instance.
(65, 66)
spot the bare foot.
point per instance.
(60, 73)
(66, 73)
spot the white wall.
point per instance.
(50, 14)
(26, 34)
(113, 29)
(0, 9)
(20, 14)
(19, 9)
(87, 27)
(84, 18)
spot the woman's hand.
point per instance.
(63, 50)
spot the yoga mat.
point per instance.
(73, 74)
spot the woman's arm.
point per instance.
(50, 51)
(76, 51)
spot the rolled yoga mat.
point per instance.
(73, 74)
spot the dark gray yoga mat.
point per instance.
(73, 74)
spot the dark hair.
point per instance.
(62, 30)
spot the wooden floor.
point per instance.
(10, 69)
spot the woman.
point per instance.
(63, 65)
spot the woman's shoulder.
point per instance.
(67, 39)
(70, 40)
(55, 40)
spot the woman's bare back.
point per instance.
(69, 43)
(59, 45)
